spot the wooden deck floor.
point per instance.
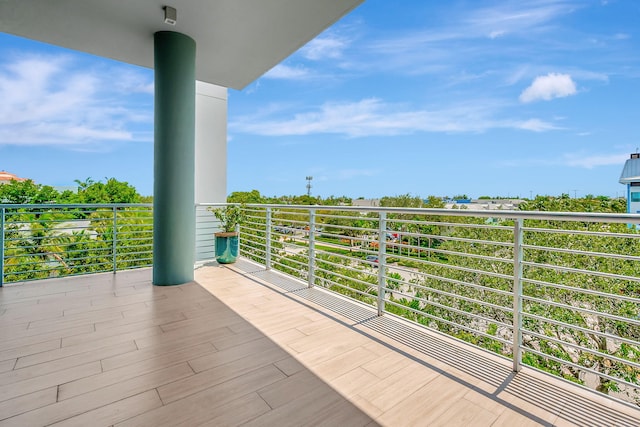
(242, 346)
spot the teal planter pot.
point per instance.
(226, 247)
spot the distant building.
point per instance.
(7, 177)
(485, 204)
(365, 202)
(630, 177)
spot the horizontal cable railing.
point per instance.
(559, 292)
(44, 241)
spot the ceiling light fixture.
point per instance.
(170, 15)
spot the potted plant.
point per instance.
(227, 240)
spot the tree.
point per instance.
(434, 202)
(44, 242)
(113, 191)
(21, 192)
(402, 201)
(245, 197)
(566, 204)
(336, 201)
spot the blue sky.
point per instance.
(432, 98)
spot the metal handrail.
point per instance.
(73, 239)
(497, 286)
(476, 268)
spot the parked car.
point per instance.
(284, 229)
(372, 259)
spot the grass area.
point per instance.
(333, 241)
(361, 254)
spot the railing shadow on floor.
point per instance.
(579, 407)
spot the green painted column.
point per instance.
(174, 159)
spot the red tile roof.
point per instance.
(7, 177)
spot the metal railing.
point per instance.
(43, 241)
(556, 291)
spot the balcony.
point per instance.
(243, 345)
(246, 344)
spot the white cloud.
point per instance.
(326, 46)
(47, 101)
(373, 117)
(590, 162)
(285, 72)
(497, 33)
(517, 75)
(575, 159)
(128, 81)
(353, 119)
(537, 125)
(549, 87)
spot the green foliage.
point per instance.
(23, 192)
(245, 197)
(402, 201)
(230, 216)
(465, 289)
(254, 197)
(564, 203)
(89, 191)
(113, 191)
(43, 242)
(434, 202)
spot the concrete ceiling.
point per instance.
(237, 40)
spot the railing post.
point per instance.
(239, 243)
(517, 294)
(114, 238)
(1, 247)
(267, 257)
(312, 241)
(382, 259)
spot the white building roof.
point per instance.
(631, 171)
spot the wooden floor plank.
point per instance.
(201, 333)
(30, 350)
(116, 330)
(204, 405)
(294, 386)
(427, 404)
(9, 391)
(397, 387)
(141, 355)
(7, 365)
(344, 362)
(175, 315)
(34, 336)
(308, 409)
(32, 371)
(219, 374)
(237, 412)
(231, 354)
(27, 402)
(96, 399)
(83, 347)
(115, 412)
(115, 376)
